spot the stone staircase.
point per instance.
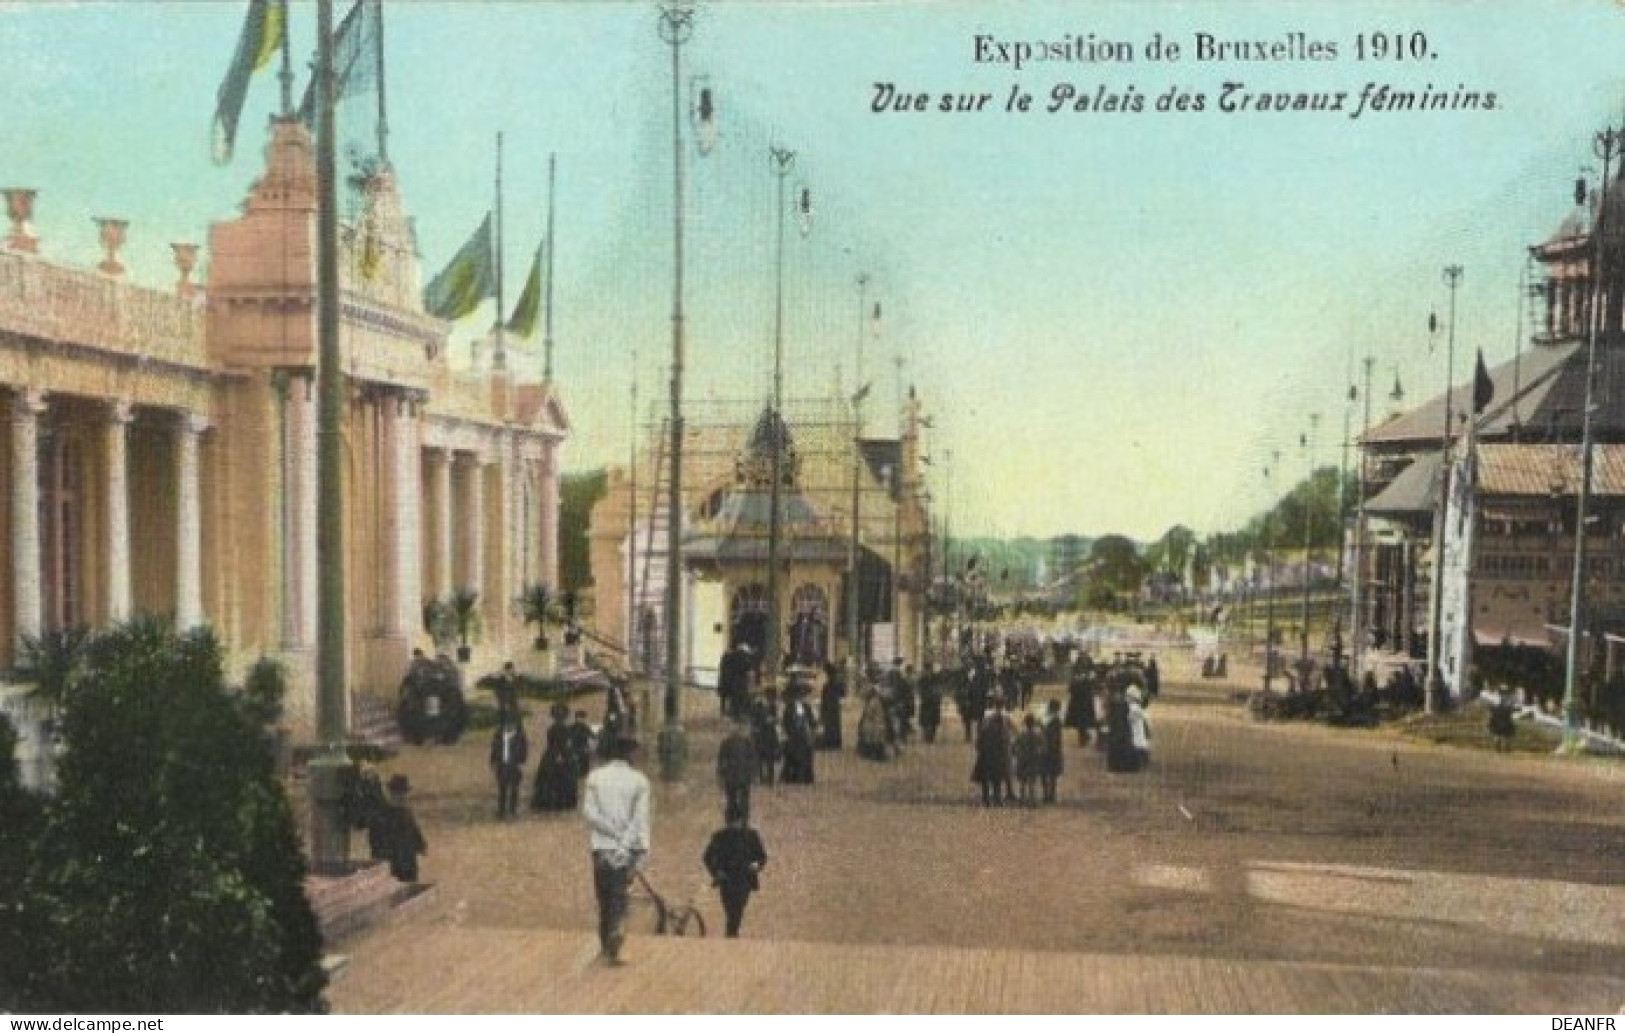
(372, 721)
(367, 895)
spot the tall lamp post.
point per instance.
(1607, 145)
(676, 26)
(1269, 580)
(330, 836)
(781, 161)
(1357, 630)
(854, 593)
(1308, 443)
(1436, 688)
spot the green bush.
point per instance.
(168, 867)
(21, 815)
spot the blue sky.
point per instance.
(1114, 318)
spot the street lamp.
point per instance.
(854, 594)
(1307, 441)
(1269, 582)
(893, 475)
(1435, 700)
(330, 768)
(1357, 630)
(781, 161)
(1607, 145)
(676, 26)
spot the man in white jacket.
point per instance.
(615, 803)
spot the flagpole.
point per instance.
(383, 117)
(286, 74)
(499, 358)
(547, 336)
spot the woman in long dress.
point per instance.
(799, 729)
(872, 727)
(555, 788)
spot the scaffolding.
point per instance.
(717, 433)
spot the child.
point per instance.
(1029, 752)
(734, 857)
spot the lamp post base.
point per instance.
(673, 749)
(1437, 695)
(331, 775)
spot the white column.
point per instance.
(118, 512)
(188, 523)
(26, 407)
(473, 523)
(386, 559)
(548, 517)
(299, 514)
(444, 576)
(407, 517)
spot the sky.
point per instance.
(1115, 319)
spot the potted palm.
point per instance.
(465, 610)
(440, 623)
(536, 607)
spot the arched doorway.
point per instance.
(809, 626)
(747, 619)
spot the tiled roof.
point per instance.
(1524, 397)
(1414, 491)
(1548, 469)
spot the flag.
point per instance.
(523, 320)
(263, 28)
(1483, 387)
(355, 58)
(467, 280)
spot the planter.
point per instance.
(541, 643)
(464, 654)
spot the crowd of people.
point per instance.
(774, 738)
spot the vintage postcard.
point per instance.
(812, 508)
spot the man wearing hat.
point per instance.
(509, 751)
(616, 806)
(402, 839)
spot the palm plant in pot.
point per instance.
(536, 607)
(465, 608)
(440, 623)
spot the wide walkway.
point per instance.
(500, 971)
(1256, 868)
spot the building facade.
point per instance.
(1508, 531)
(159, 450)
(826, 465)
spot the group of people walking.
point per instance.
(1032, 753)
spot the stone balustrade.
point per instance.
(54, 303)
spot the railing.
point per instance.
(55, 303)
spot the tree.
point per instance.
(578, 493)
(1115, 564)
(1173, 551)
(168, 865)
(20, 926)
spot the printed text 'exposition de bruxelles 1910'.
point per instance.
(1411, 48)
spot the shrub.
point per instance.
(168, 865)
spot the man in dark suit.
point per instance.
(733, 679)
(736, 767)
(509, 751)
(735, 857)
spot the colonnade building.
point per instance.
(158, 454)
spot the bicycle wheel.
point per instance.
(686, 921)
